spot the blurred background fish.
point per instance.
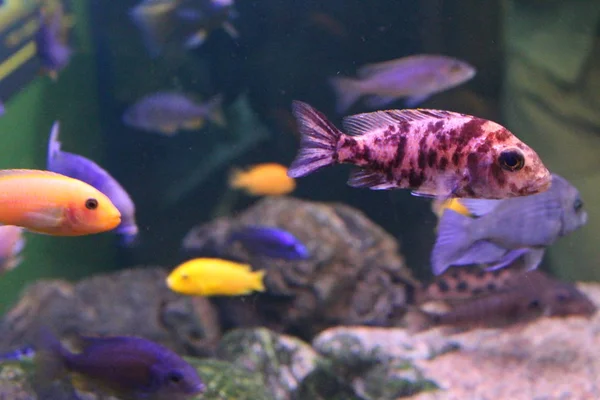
(508, 229)
(53, 50)
(86, 170)
(169, 112)
(215, 277)
(414, 78)
(268, 179)
(182, 23)
(12, 243)
(270, 242)
(125, 366)
(54, 204)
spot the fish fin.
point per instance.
(533, 258)
(412, 101)
(347, 92)
(452, 238)
(479, 207)
(230, 29)
(481, 252)
(215, 111)
(426, 195)
(196, 40)
(53, 144)
(235, 178)
(363, 178)
(11, 264)
(194, 124)
(379, 101)
(168, 129)
(506, 260)
(259, 284)
(319, 140)
(417, 320)
(51, 217)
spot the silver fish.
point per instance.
(508, 229)
(169, 112)
(414, 78)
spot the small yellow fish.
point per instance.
(215, 277)
(267, 179)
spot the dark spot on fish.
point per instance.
(422, 151)
(366, 153)
(502, 135)
(431, 158)
(533, 304)
(480, 274)
(462, 286)
(443, 286)
(416, 179)
(439, 125)
(491, 286)
(456, 157)
(404, 174)
(443, 164)
(442, 140)
(477, 291)
(400, 152)
(454, 275)
(498, 174)
(484, 148)
(472, 129)
(348, 143)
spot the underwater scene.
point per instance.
(299, 200)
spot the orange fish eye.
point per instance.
(511, 160)
(91, 204)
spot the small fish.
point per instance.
(83, 169)
(12, 243)
(18, 354)
(270, 242)
(215, 277)
(434, 153)
(414, 78)
(169, 112)
(124, 366)
(181, 23)
(267, 179)
(535, 295)
(508, 229)
(54, 204)
(52, 50)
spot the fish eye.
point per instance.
(511, 160)
(578, 205)
(91, 204)
(175, 377)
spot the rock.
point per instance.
(283, 361)
(130, 302)
(355, 274)
(377, 362)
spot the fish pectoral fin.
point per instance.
(533, 258)
(482, 252)
(379, 101)
(46, 218)
(508, 259)
(412, 101)
(363, 178)
(194, 124)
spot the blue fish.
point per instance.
(270, 242)
(18, 354)
(125, 366)
(54, 54)
(79, 167)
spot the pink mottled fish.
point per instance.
(434, 153)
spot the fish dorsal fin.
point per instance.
(479, 207)
(360, 124)
(53, 143)
(17, 172)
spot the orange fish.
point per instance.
(267, 179)
(54, 204)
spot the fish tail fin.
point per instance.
(347, 92)
(318, 144)
(259, 284)
(49, 358)
(236, 178)
(215, 111)
(452, 236)
(417, 320)
(53, 143)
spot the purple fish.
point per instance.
(53, 53)
(125, 366)
(79, 167)
(414, 78)
(169, 112)
(270, 242)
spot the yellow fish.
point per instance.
(215, 277)
(269, 179)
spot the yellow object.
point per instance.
(215, 277)
(54, 204)
(267, 179)
(438, 207)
